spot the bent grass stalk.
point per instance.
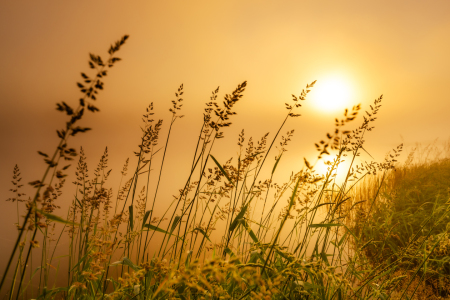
(94, 85)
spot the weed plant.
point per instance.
(272, 244)
(411, 221)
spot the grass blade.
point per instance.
(238, 218)
(202, 232)
(130, 208)
(250, 232)
(175, 223)
(147, 214)
(152, 227)
(221, 169)
(55, 218)
(276, 163)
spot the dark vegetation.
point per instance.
(382, 233)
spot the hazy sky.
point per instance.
(396, 48)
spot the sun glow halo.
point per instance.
(331, 94)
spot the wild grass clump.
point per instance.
(228, 233)
(411, 221)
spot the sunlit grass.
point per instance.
(410, 222)
(229, 233)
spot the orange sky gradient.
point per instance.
(396, 48)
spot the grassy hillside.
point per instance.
(410, 223)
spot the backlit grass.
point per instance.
(230, 233)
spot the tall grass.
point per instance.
(411, 221)
(228, 233)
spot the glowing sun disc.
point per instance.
(331, 94)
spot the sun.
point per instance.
(331, 94)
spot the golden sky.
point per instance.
(396, 48)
